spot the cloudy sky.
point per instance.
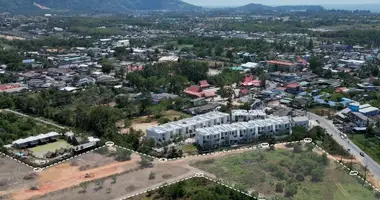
(276, 2)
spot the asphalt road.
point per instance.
(372, 165)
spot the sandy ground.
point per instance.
(126, 184)
(65, 176)
(9, 37)
(12, 173)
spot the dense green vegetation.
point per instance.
(295, 173)
(13, 127)
(82, 110)
(370, 145)
(193, 189)
(321, 137)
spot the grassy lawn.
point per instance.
(370, 145)
(40, 151)
(181, 46)
(169, 114)
(189, 149)
(261, 171)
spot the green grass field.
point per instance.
(40, 151)
(369, 145)
(261, 172)
(189, 149)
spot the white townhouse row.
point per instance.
(186, 127)
(247, 115)
(241, 132)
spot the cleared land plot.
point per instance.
(14, 175)
(303, 175)
(324, 111)
(195, 188)
(73, 172)
(41, 150)
(129, 183)
(145, 122)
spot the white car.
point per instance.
(343, 136)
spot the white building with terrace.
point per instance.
(240, 132)
(185, 128)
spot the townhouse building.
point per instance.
(242, 132)
(247, 115)
(185, 128)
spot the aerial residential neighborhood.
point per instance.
(171, 99)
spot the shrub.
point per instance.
(122, 155)
(279, 187)
(299, 177)
(291, 190)
(152, 175)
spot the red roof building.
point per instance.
(204, 84)
(196, 91)
(131, 68)
(251, 81)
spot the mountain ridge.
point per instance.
(105, 6)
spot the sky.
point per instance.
(276, 2)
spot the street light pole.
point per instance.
(349, 152)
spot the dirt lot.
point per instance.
(129, 183)
(12, 175)
(91, 160)
(65, 175)
(145, 122)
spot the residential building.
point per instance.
(35, 140)
(301, 121)
(247, 115)
(240, 132)
(293, 88)
(185, 128)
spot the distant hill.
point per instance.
(89, 6)
(263, 8)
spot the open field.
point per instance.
(73, 173)
(145, 122)
(96, 173)
(41, 150)
(14, 175)
(303, 175)
(127, 183)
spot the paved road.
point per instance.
(373, 166)
(40, 120)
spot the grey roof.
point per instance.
(35, 138)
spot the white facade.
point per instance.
(185, 128)
(240, 132)
(122, 43)
(301, 121)
(244, 115)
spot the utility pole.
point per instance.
(349, 152)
